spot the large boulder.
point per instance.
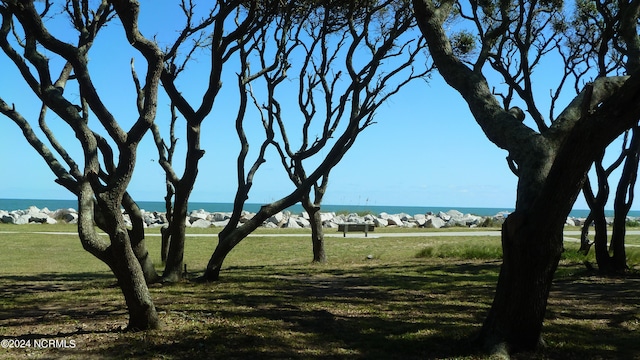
(127, 220)
(16, 218)
(420, 219)
(222, 223)
(270, 225)
(198, 215)
(277, 219)
(291, 223)
(32, 210)
(434, 222)
(471, 220)
(354, 218)
(40, 218)
(8, 219)
(444, 216)
(455, 214)
(220, 216)
(405, 217)
(66, 215)
(379, 222)
(201, 223)
(339, 219)
(244, 217)
(328, 216)
(330, 224)
(152, 219)
(394, 220)
(70, 218)
(303, 222)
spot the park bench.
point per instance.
(351, 227)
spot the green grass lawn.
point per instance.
(413, 298)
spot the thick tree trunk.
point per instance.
(317, 238)
(165, 236)
(176, 233)
(229, 237)
(225, 245)
(146, 263)
(136, 235)
(183, 188)
(601, 241)
(118, 255)
(618, 261)
(126, 267)
(514, 322)
(532, 242)
(317, 232)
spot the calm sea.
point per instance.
(20, 204)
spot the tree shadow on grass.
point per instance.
(410, 310)
(52, 298)
(363, 313)
(609, 305)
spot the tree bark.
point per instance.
(600, 241)
(165, 236)
(119, 256)
(127, 269)
(516, 316)
(138, 244)
(183, 187)
(176, 233)
(317, 232)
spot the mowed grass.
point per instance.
(377, 298)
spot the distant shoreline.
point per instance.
(53, 204)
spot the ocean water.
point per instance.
(20, 204)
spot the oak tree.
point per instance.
(100, 178)
(335, 51)
(550, 155)
(220, 31)
(344, 60)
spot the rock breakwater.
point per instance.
(283, 219)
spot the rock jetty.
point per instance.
(283, 219)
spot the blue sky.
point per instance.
(424, 150)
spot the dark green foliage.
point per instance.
(463, 43)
